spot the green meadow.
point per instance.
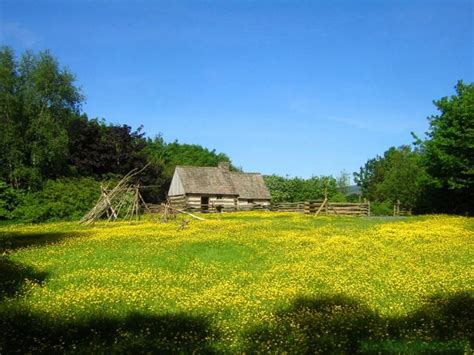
(257, 282)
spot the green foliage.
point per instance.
(285, 189)
(397, 175)
(166, 156)
(37, 97)
(44, 136)
(450, 147)
(63, 199)
(381, 208)
(169, 155)
(9, 199)
(439, 175)
(97, 149)
(353, 198)
(449, 153)
(403, 179)
(338, 197)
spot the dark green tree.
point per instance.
(398, 175)
(171, 154)
(449, 153)
(403, 181)
(372, 174)
(11, 125)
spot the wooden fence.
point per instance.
(307, 207)
(288, 207)
(348, 209)
(399, 210)
(329, 208)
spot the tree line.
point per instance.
(436, 173)
(54, 157)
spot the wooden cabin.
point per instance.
(217, 188)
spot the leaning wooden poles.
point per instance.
(125, 201)
(111, 202)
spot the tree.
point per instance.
(343, 182)
(404, 179)
(449, 151)
(37, 98)
(11, 142)
(286, 189)
(171, 154)
(396, 176)
(371, 175)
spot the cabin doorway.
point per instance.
(204, 203)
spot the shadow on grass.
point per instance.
(22, 332)
(343, 325)
(14, 275)
(10, 241)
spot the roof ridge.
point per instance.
(197, 167)
(243, 172)
(216, 167)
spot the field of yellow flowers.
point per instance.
(239, 282)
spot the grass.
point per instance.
(241, 282)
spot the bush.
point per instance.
(286, 189)
(338, 197)
(354, 198)
(64, 199)
(9, 199)
(384, 208)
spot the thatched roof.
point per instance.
(221, 181)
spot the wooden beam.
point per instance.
(321, 207)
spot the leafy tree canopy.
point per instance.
(37, 98)
(449, 149)
(171, 154)
(398, 175)
(285, 189)
(448, 154)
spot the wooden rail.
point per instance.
(308, 207)
(321, 206)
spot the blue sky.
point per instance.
(296, 88)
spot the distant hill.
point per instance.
(353, 189)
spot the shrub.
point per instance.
(338, 197)
(354, 198)
(384, 208)
(286, 189)
(64, 199)
(9, 199)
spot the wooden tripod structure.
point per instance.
(124, 200)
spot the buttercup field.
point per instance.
(236, 177)
(240, 282)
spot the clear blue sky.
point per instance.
(289, 87)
